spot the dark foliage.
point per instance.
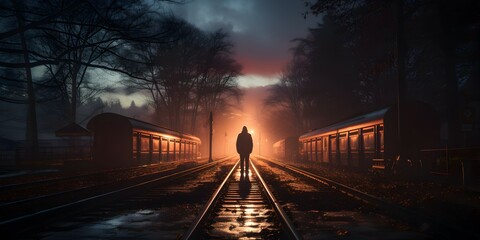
(354, 62)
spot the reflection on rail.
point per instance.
(242, 206)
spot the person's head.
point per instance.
(244, 129)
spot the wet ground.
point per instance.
(454, 205)
(164, 212)
(320, 213)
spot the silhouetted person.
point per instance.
(244, 148)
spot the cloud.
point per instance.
(251, 80)
(260, 30)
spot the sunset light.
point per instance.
(228, 119)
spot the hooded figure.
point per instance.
(244, 147)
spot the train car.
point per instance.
(371, 140)
(286, 149)
(122, 141)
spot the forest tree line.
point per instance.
(54, 51)
(365, 55)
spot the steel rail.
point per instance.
(60, 193)
(56, 194)
(52, 180)
(287, 224)
(398, 211)
(208, 207)
(73, 206)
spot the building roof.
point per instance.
(141, 125)
(372, 116)
(72, 130)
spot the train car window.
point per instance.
(310, 150)
(160, 144)
(145, 143)
(343, 148)
(333, 144)
(134, 141)
(343, 142)
(368, 141)
(185, 149)
(325, 150)
(353, 138)
(180, 149)
(381, 138)
(305, 149)
(171, 146)
(134, 145)
(318, 150)
(156, 145)
(173, 149)
(155, 149)
(313, 149)
(194, 150)
(164, 144)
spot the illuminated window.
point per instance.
(343, 143)
(381, 138)
(368, 142)
(333, 144)
(134, 142)
(156, 145)
(145, 143)
(134, 145)
(194, 150)
(164, 145)
(353, 142)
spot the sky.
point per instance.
(261, 31)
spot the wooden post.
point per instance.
(211, 136)
(401, 85)
(259, 143)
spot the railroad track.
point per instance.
(18, 216)
(242, 206)
(438, 227)
(41, 181)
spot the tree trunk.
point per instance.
(401, 90)
(194, 116)
(32, 130)
(453, 112)
(73, 116)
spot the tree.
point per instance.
(191, 72)
(66, 37)
(318, 86)
(217, 82)
(431, 40)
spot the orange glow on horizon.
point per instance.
(261, 67)
(251, 113)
